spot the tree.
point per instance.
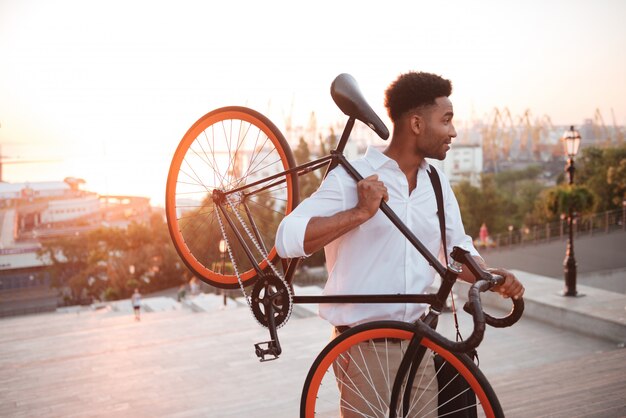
(110, 262)
(483, 205)
(508, 180)
(528, 191)
(616, 179)
(603, 171)
(559, 199)
(519, 189)
(332, 143)
(520, 197)
(310, 181)
(469, 198)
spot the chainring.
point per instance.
(270, 289)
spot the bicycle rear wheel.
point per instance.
(342, 363)
(227, 149)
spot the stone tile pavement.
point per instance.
(180, 363)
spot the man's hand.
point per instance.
(370, 191)
(511, 288)
(322, 230)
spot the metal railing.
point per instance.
(598, 223)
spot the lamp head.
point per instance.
(571, 142)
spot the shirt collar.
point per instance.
(377, 159)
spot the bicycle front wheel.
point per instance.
(222, 153)
(354, 376)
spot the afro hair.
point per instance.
(413, 90)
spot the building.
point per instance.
(32, 212)
(462, 162)
(61, 210)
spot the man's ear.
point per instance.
(417, 124)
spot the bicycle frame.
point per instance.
(335, 158)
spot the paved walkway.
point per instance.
(594, 254)
(180, 363)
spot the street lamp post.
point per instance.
(571, 142)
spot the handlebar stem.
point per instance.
(464, 257)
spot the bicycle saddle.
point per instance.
(347, 95)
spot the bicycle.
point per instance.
(232, 179)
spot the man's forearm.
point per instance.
(323, 230)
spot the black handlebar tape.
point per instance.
(511, 318)
(479, 318)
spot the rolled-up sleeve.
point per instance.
(326, 201)
(290, 237)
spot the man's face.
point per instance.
(438, 129)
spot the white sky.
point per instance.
(106, 89)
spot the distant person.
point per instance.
(182, 291)
(483, 240)
(194, 287)
(136, 301)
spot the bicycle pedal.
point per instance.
(271, 350)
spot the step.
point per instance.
(595, 312)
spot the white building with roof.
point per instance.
(48, 202)
(462, 162)
(67, 209)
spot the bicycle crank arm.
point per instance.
(273, 346)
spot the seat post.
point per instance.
(345, 135)
(341, 145)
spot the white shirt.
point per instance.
(375, 258)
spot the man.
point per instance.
(365, 253)
(136, 301)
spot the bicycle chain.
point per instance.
(265, 257)
(230, 255)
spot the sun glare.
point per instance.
(104, 91)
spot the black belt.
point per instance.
(343, 328)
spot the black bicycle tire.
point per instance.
(280, 144)
(307, 396)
